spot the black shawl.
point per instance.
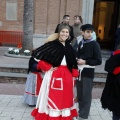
(53, 53)
(110, 98)
(32, 65)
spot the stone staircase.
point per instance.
(100, 73)
(13, 74)
(100, 79)
(12, 69)
(15, 69)
(18, 74)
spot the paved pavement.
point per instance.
(11, 106)
(18, 89)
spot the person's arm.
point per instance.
(112, 64)
(75, 46)
(81, 62)
(75, 72)
(56, 30)
(71, 34)
(116, 34)
(44, 66)
(116, 70)
(97, 58)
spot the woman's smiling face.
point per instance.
(63, 35)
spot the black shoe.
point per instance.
(32, 105)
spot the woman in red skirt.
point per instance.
(57, 59)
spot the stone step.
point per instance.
(100, 75)
(99, 80)
(6, 77)
(23, 69)
(13, 69)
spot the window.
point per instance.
(11, 10)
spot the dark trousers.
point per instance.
(115, 117)
(84, 94)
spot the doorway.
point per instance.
(104, 21)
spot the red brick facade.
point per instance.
(8, 24)
(48, 13)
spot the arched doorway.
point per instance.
(105, 20)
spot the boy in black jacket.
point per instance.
(88, 56)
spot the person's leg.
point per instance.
(79, 88)
(115, 117)
(84, 89)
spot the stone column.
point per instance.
(87, 11)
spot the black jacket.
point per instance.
(117, 38)
(53, 53)
(92, 54)
(32, 65)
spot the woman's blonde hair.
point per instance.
(52, 37)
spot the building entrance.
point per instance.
(105, 22)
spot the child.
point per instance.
(88, 56)
(111, 94)
(33, 84)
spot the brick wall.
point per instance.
(48, 13)
(11, 25)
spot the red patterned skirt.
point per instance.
(56, 99)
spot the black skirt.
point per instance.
(110, 98)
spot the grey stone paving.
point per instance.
(18, 89)
(11, 108)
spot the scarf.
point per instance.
(86, 41)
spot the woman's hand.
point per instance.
(53, 68)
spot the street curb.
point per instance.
(16, 56)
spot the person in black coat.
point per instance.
(110, 98)
(117, 37)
